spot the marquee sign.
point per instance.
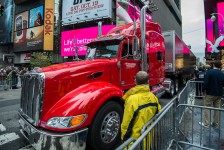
(76, 11)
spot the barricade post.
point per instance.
(3, 82)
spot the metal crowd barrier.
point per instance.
(9, 82)
(191, 135)
(192, 91)
(156, 134)
(3, 82)
(177, 125)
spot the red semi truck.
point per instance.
(79, 104)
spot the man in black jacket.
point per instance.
(214, 83)
(200, 77)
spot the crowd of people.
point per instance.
(139, 101)
(212, 88)
(10, 76)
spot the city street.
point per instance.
(66, 65)
(10, 136)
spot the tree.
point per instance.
(200, 64)
(39, 59)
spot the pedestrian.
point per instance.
(213, 84)
(14, 78)
(200, 75)
(140, 106)
(23, 71)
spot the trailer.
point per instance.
(179, 62)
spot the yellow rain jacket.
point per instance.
(140, 106)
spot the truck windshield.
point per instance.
(108, 49)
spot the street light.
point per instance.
(220, 38)
(213, 17)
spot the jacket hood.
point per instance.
(136, 89)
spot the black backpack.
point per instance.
(201, 75)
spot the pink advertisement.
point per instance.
(186, 50)
(220, 10)
(127, 12)
(81, 37)
(209, 34)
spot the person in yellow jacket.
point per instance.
(140, 106)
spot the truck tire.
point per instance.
(176, 86)
(104, 132)
(172, 89)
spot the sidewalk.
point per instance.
(10, 94)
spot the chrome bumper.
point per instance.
(45, 140)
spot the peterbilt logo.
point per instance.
(79, 1)
(130, 65)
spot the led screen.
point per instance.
(75, 11)
(36, 17)
(128, 12)
(220, 10)
(29, 39)
(82, 37)
(6, 22)
(21, 22)
(209, 35)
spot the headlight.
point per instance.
(66, 122)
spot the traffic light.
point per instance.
(1, 10)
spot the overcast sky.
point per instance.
(193, 25)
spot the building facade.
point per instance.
(214, 20)
(63, 27)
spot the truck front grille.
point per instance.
(32, 96)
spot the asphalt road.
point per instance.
(10, 136)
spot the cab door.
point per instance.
(129, 67)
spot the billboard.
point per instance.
(6, 22)
(49, 25)
(25, 58)
(127, 12)
(8, 58)
(81, 37)
(21, 21)
(36, 17)
(75, 11)
(34, 28)
(220, 10)
(209, 35)
(29, 39)
(19, 1)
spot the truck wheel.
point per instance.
(176, 86)
(172, 89)
(105, 131)
(184, 81)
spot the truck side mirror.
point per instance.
(135, 48)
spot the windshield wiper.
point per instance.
(105, 57)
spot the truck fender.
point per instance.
(87, 99)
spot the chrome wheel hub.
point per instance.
(110, 127)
